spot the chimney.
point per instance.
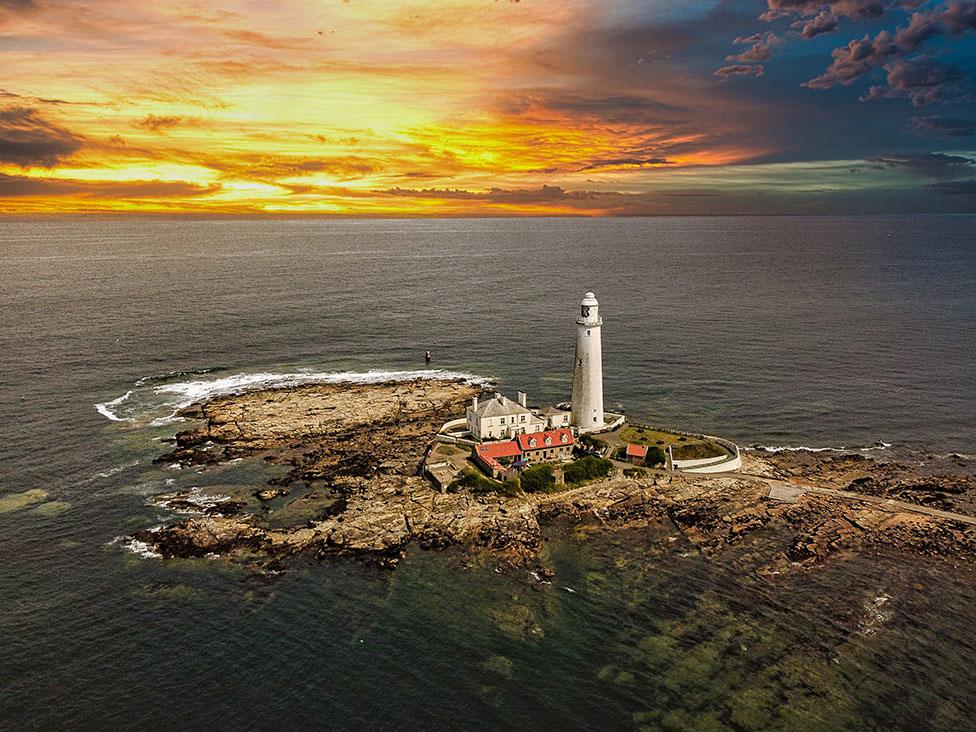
(522, 398)
(501, 398)
(474, 403)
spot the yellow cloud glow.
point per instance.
(324, 107)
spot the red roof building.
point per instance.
(636, 453)
(551, 445)
(492, 455)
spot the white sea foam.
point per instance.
(116, 470)
(189, 392)
(198, 500)
(169, 375)
(160, 402)
(804, 448)
(139, 548)
(105, 409)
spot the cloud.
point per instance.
(955, 187)
(161, 123)
(24, 99)
(740, 70)
(920, 80)
(856, 9)
(544, 195)
(859, 57)
(627, 163)
(927, 165)
(28, 140)
(823, 22)
(758, 52)
(14, 186)
(945, 126)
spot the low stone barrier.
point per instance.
(724, 464)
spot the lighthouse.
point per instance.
(588, 372)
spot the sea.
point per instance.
(807, 332)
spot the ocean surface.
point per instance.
(823, 332)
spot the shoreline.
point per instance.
(353, 455)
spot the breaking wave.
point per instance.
(804, 448)
(116, 470)
(139, 548)
(105, 409)
(158, 403)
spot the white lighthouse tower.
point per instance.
(588, 371)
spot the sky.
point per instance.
(487, 107)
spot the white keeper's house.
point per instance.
(497, 417)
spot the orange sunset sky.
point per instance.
(468, 107)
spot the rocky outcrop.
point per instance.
(939, 481)
(353, 452)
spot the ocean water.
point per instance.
(784, 331)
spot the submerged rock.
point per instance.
(17, 501)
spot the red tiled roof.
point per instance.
(489, 452)
(509, 448)
(637, 451)
(537, 440)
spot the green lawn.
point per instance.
(449, 450)
(685, 448)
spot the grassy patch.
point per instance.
(588, 468)
(448, 450)
(474, 481)
(538, 479)
(697, 451)
(591, 443)
(683, 446)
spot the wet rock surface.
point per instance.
(353, 453)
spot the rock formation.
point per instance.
(353, 453)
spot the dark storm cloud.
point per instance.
(27, 139)
(928, 165)
(945, 126)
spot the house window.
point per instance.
(502, 421)
(523, 417)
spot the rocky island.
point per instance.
(351, 483)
